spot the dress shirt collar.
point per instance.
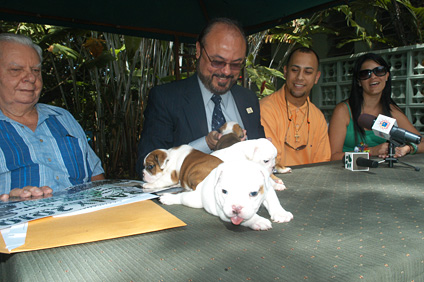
(43, 113)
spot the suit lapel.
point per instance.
(194, 109)
(245, 109)
(243, 105)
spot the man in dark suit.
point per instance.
(181, 112)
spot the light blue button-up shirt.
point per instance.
(57, 154)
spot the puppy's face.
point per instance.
(154, 165)
(240, 189)
(264, 153)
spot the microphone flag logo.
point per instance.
(384, 124)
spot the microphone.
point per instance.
(386, 127)
(358, 161)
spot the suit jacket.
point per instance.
(175, 115)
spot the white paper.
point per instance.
(14, 236)
(80, 198)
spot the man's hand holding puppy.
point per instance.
(212, 138)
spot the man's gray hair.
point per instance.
(21, 39)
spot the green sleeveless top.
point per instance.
(371, 140)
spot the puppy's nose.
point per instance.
(237, 209)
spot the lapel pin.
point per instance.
(249, 110)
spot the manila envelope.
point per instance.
(114, 222)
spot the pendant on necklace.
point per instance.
(297, 136)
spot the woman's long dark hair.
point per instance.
(356, 97)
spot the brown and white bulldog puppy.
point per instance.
(234, 191)
(181, 165)
(260, 150)
(231, 133)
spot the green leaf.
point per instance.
(69, 53)
(101, 61)
(131, 44)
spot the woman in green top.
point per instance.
(370, 94)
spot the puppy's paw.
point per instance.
(170, 199)
(150, 186)
(150, 190)
(259, 223)
(277, 183)
(279, 186)
(283, 216)
(283, 169)
(154, 187)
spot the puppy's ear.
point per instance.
(163, 165)
(161, 158)
(267, 178)
(217, 173)
(250, 154)
(238, 131)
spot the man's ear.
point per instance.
(318, 76)
(198, 50)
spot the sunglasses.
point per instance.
(222, 64)
(378, 71)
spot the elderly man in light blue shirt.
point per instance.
(42, 148)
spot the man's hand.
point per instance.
(212, 138)
(28, 192)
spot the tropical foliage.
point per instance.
(375, 24)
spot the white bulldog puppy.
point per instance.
(260, 150)
(234, 191)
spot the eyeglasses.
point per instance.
(289, 136)
(378, 71)
(222, 64)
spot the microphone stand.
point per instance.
(391, 158)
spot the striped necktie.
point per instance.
(218, 118)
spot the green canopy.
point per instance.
(161, 19)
